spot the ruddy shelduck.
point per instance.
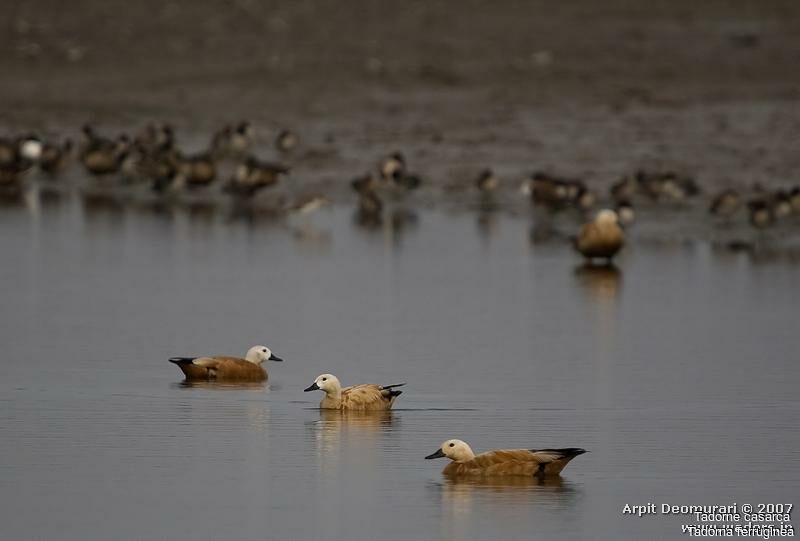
(227, 368)
(527, 462)
(364, 397)
(602, 237)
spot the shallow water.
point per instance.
(677, 371)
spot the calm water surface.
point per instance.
(678, 373)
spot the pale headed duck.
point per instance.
(364, 397)
(502, 462)
(227, 368)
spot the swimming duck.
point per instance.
(254, 175)
(227, 368)
(725, 204)
(602, 237)
(364, 397)
(522, 462)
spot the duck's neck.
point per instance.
(253, 357)
(465, 454)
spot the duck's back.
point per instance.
(367, 396)
(547, 462)
(222, 368)
(599, 240)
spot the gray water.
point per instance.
(678, 372)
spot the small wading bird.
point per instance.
(625, 213)
(364, 397)
(601, 238)
(725, 204)
(286, 141)
(254, 175)
(487, 181)
(227, 368)
(527, 462)
(233, 141)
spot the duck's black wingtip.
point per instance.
(181, 360)
(566, 452)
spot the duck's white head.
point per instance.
(325, 382)
(606, 216)
(31, 148)
(259, 354)
(455, 450)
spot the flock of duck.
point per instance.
(369, 397)
(152, 158)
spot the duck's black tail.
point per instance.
(390, 389)
(181, 360)
(566, 452)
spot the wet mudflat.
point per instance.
(676, 370)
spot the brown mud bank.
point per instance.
(579, 88)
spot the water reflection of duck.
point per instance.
(602, 281)
(222, 385)
(502, 483)
(357, 420)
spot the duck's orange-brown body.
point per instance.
(600, 240)
(364, 397)
(514, 462)
(220, 368)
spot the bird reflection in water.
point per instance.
(602, 282)
(393, 223)
(487, 217)
(337, 428)
(462, 499)
(222, 385)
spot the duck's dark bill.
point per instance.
(312, 387)
(275, 358)
(437, 454)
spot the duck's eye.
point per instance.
(263, 351)
(324, 379)
(452, 445)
